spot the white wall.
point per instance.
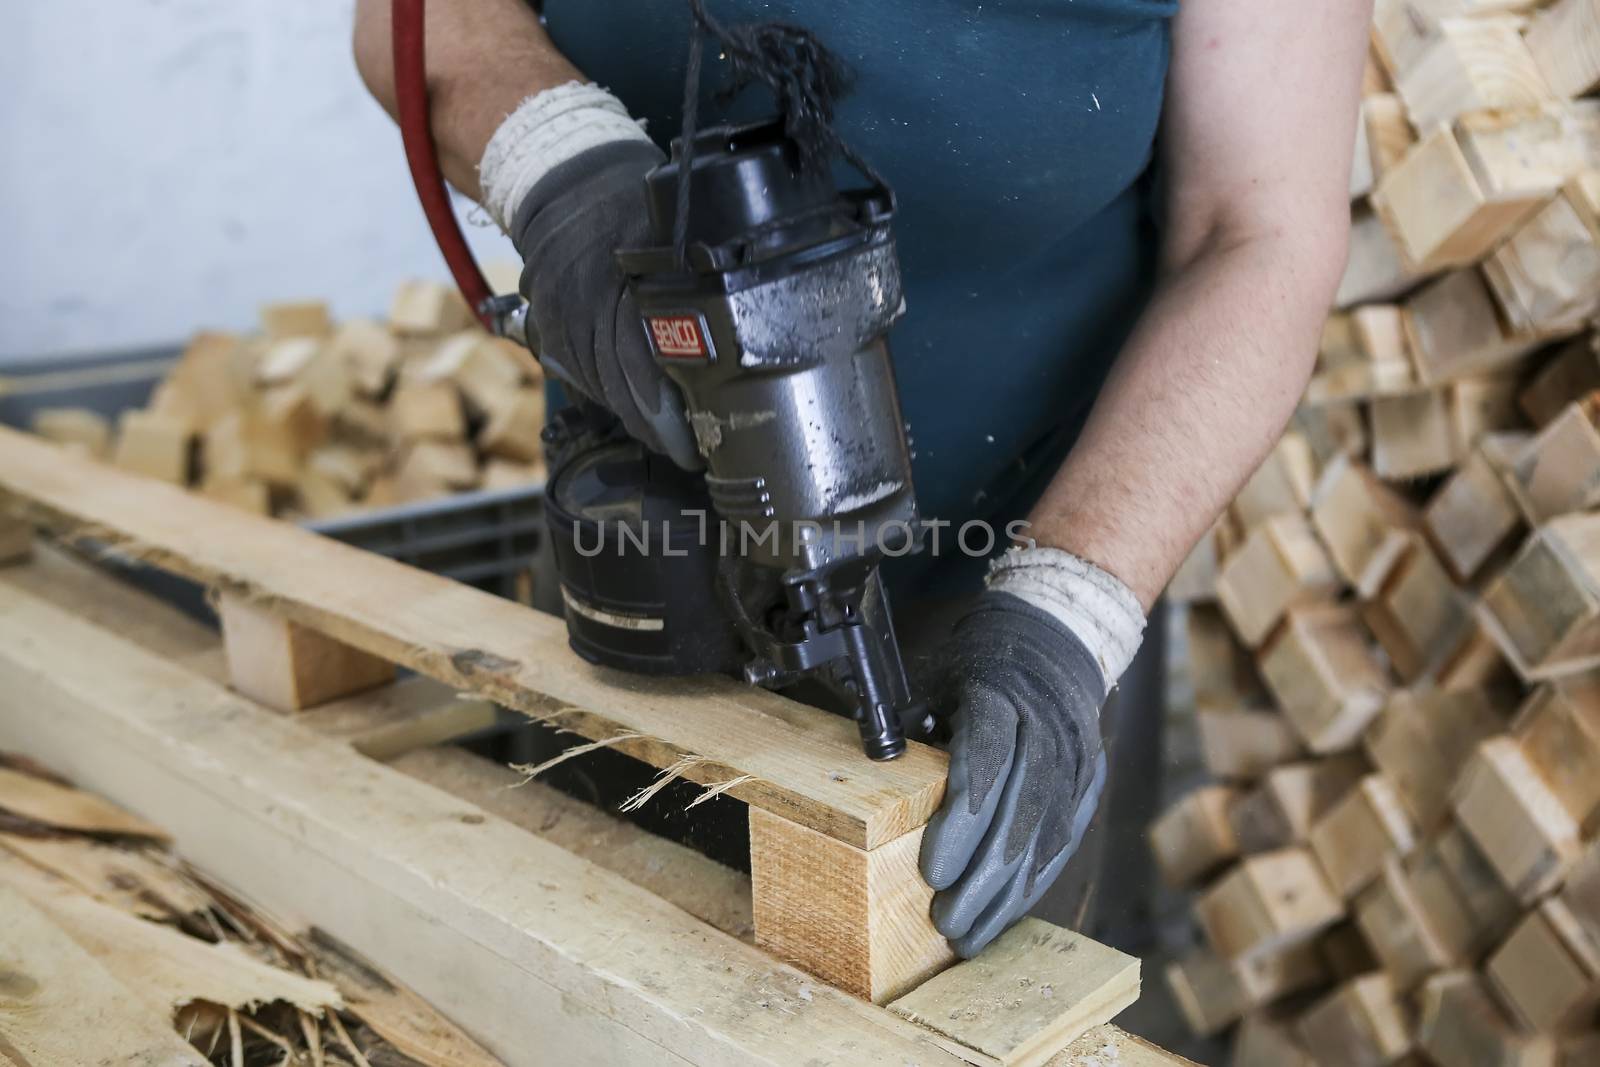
(170, 164)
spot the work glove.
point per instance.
(565, 175)
(1028, 670)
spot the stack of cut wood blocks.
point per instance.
(312, 420)
(1395, 628)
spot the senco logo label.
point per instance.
(679, 337)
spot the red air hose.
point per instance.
(409, 18)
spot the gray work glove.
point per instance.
(582, 320)
(1026, 767)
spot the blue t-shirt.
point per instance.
(1018, 136)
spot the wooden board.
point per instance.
(61, 1008)
(1036, 988)
(409, 875)
(807, 765)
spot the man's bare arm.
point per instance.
(1256, 145)
(484, 58)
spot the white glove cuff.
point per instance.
(1101, 612)
(545, 131)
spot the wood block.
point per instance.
(1282, 484)
(1364, 828)
(1544, 608)
(1241, 745)
(483, 367)
(1388, 131)
(419, 411)
(1418, 616)
(1376, 268)
(1280, 811)
(856, 918)
(1267, 903)
(1547, 274)
(1280, 564)
(370, 352)
(16, 540)
(1468, 908)
(1365, 525)
(1460, 1025)
(1455, 330)
(1558, 471)
(1564, 40)
(288, 666)
(155, 445)
(74, 426)
(1220, 668)
(1397, 927)
(241, 447)
(1212, 993)
(1549, 984)
(515, 422)
(1029, 994)
(209, 380)
(1581, 895)
(299, 318)
(317, 496)
(1571, 374)
(1473, 64)
(347, 467)
(288, 414)
(1471, 517)
(1481, 407)
(285, 360)
(1325, 675)
(428, 309)
(433, 468)
(1411, 435)
(1516, 821)
(504, 474)
(1422, 739)
(248, 494)
(1558, 730)
(1532, 148)
(1333, 430)
(1438, 209)
(1362, 1023)
(1263, 1040)
(1371, 361)
(1195, 580)
(363, 423)
(1193, 837)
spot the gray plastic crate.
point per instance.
(486, 539)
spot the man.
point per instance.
(1121, 225)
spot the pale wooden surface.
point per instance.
(1035, 987)
(856, 918)
(60, 1008)
(286, 666)
(807, 764)
(67, 809)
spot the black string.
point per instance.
(805, 76)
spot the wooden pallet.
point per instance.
(586, 941)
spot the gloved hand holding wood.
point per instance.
(1029, 667)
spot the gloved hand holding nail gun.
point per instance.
(1060, 358)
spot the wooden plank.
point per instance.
(1455, 330)
(1558, 730)
(1457, 888)
(61, 1008)
(1264, 1040)
(1418, 615)
(806, 764)
(856, 918)
(410, 876)
(1398, 929)
(1472, 516)
(63, 808)
(1571, 374)
(1365, 525)
(1241, 745)
(1556, 472)
(1034, 990)
(1546, 276)
(1376, 268)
